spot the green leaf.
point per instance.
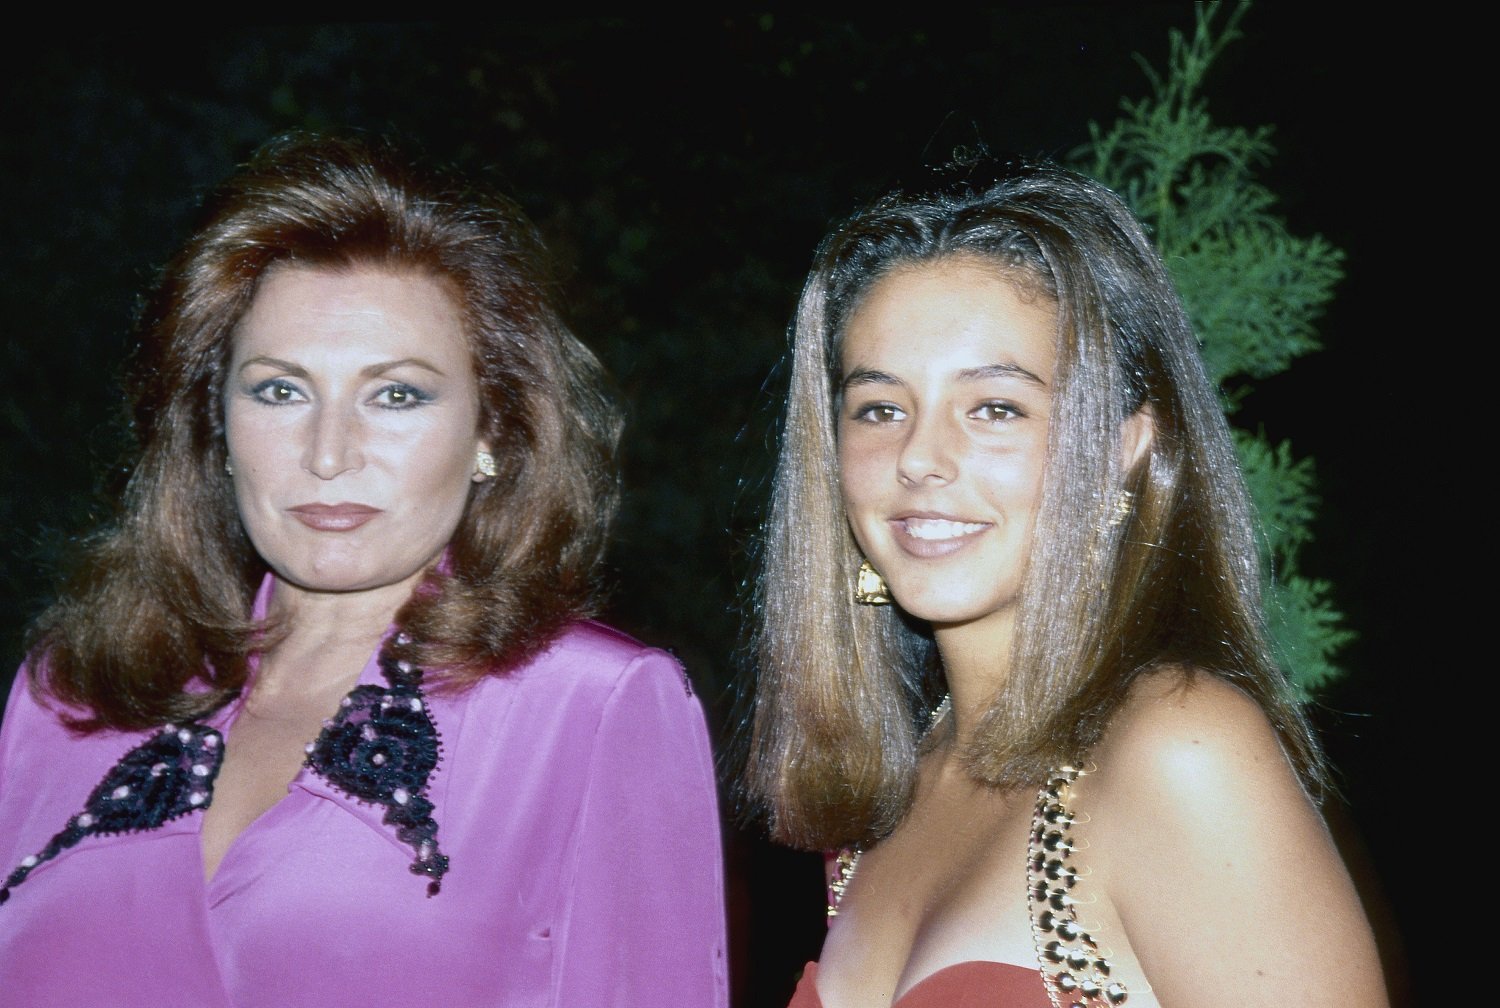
(1253, 291)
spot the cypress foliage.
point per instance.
(1253, 290)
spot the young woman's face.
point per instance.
(946, 397)
(351, 410)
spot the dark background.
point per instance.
(683, 172)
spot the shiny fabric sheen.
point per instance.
(575, 797)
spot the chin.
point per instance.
(335, 577)
(329, 585)
(948, 609)
(946, 615)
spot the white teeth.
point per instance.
(939, 528)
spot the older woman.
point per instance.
(320, 722)
(1012, 658)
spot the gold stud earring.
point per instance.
(870, 588)
(228, 466)
(484, 466)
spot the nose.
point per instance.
(928, 456)
(334, 444)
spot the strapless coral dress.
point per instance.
(974, 984)
(1075, 965)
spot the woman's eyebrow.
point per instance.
(297, 371)
(379, 369)
(1001, 371)
(275, 363)
(869, 376)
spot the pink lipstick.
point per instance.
(930, 535)
(333, 517)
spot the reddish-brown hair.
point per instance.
(156, 624)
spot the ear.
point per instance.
(1136, 434)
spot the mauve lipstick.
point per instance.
(333, 517)
(944, 534)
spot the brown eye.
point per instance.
(996, 412)
(880, 413)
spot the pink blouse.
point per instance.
(574, 798)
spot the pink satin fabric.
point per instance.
(575, 798)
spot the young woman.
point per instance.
(321, 722)
(1011, 651)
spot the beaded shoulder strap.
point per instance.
(1075, 970)
(839, 875)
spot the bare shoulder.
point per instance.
(1218, 864)
(1190, 737)
(1191, 763)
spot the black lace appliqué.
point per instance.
(167, 776)
(381, 748)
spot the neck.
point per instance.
(976, 663)
(326, 637)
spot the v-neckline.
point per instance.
(228, 716)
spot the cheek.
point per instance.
(861, 487)
(441, 466)
(256, 432)
(853, 476)
(1012, 482)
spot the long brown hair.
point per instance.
(843, 689)
(155, 625)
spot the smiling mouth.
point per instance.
(333, 517)
(937, 529)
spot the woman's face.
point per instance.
(947, 394)
(352, 413)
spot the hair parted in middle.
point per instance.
(843, 690)
(166, 593)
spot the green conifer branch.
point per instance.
(1254, 293)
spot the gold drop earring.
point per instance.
(870, 588)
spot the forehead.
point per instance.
(316, 308)
(956, 309)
